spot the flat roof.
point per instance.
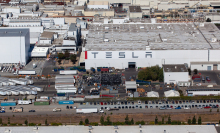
(160, 36)
(121, 129)
(40, 49)
(46, 34)
(13, 32)
(98, 3)
(205, 62)
(135, 9)
(175, 68)
(73, 27)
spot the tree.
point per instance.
(0, 120)
(195, 71)
(210, 110)
(156, 120)
(86, 121)
(67, 54)
(218, 110)
(81, 122)
(61, 56)
(189, 121)
(160, 76)
(194, 120)
(132, 121)
(8, 120)
(26, 122)
(59, 61)
(126, 120)
(102, 120)
(181, 92)
(189, 71)
(163, 120)
(169, 120)
(108, 120)
(73, 58)
(208, 20)
(46, 122)
(199, 120)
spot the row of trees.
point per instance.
(193, 121)
(151, 73)
(66, 56)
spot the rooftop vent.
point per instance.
(115, 127)
(105, 40)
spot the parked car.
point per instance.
(67, 107)
(10, 108)
(207, 107)
(2, 111)
(199, 107)
(71, 107)
(169, 108)
(31, 110)
(162, 108)
(178, 108)
(186, 108)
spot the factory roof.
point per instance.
(110, 129)
(206, 62)
(148, 36)
(98, 3)
(73, 27)
(13, 32)
(175, 68)
(135, 9)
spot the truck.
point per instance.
(112, 109)
(17, 110)
(24, 102)
(34, 65)
(26, 72)
(57, 110)
(66, 72)
(86, 110)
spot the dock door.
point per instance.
(131, 64)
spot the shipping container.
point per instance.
(24, 102)
(64, 77)
(66, 102)
(42, 103)
(26, 72)
(66, 72)
(77, 99)
(8, 103)
(60, 94)
(104, 69)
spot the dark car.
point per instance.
(71, 107)
(67, 107)
(2, 111)
(10, 108)
(31, 110)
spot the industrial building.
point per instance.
(98, 5)
(146, 44)
(203, 91)
(175, 73)
(15, 45)
(115, 129)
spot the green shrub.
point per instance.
(55, 124)
(19, 124)
(32, 124)
(13, 124)
(118, 123)
(93, 123)
(143, 123)
(5, 125)
(39, 124)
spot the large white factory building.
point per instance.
(15, 45)
(146, 44)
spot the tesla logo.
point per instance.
(121, 54)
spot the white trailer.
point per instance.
(86, 110)
(66, 91)
(24, 102)
(26, 72)
(36, 88)
(67, 72)
(64, 77)
(18, 81)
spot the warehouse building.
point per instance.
(135, 12)
(15, 44)
(212, 65)
(136, 45)
(203, 91)
(175, 73)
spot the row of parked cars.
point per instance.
(189, 107)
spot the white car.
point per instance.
(74, 107)
(3, 108)
(186, 108)
(199, 107)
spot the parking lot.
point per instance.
(39, 65)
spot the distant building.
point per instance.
(173, 73)
(15, 45)
(98, 5)
(135, 12)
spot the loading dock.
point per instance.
(131, 64)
